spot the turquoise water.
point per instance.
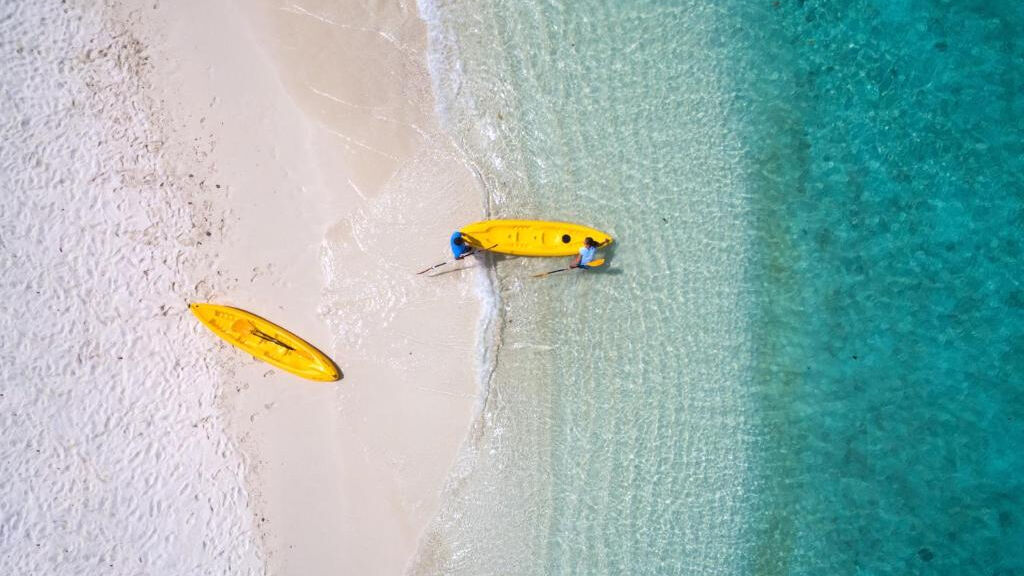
(806, 357)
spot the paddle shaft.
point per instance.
(593, 264)
(553, 272)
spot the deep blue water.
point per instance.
(890, 219)
(807, 357)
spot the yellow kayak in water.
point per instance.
(267, 341)
(531, 237)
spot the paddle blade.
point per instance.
(596, 263)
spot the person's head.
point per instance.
(459, 240)
(590, 242)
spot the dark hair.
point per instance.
(460, 241)
(590, 242)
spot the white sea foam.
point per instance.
(446, 72)
(488, 333)
(442, 59)
(113, 457)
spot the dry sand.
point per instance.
(312, 128)
(113, 457)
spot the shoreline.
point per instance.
(334, 183)
(794, 360)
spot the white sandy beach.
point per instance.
(285, 158)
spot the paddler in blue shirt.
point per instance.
(587, 253)
(460, 248)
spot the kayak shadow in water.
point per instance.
(608, 253)
(493, 258)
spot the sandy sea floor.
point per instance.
(278, 157)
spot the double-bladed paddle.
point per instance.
(593, 264)
(455, 260)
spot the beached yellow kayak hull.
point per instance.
(267, 341)
(531, 237)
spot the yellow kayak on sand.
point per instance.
(531, 237)
(267, 341)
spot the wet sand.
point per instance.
(315, 124)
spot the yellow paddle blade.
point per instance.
(596, 263)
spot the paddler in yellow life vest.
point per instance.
(587, 253)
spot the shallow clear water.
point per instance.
(806, 356)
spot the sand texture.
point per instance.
(337, 184)
(114, 458)
(278, 157)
